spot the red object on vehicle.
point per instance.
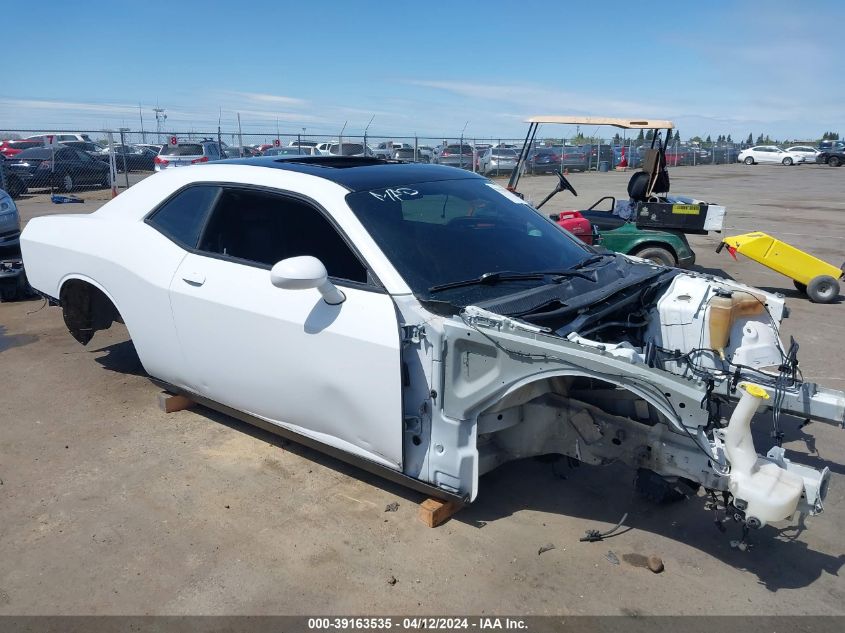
(158, 160)
(623, 161)
(576, 224)
(13, 147)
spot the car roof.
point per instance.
(359, 173)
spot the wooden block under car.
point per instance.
(170, 403)
(433, 512)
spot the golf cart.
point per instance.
(650, 224)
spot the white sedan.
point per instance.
(426, 324)
(769, 154)
(805, 151)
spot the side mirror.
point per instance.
(300, 273)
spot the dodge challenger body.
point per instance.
(427, 324)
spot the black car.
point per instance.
(132, 158)
(11, 183)
(64, 168)
(547, 160)
(835, 157)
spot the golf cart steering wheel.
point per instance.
(565, 184)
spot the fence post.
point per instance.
(123, 150)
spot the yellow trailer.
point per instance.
(811, 275)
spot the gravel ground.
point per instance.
(108, 506)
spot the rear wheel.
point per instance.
(657, 255)
(787, 161)
(834, 161)
(823, 289)
(749, 161)
(67, 183)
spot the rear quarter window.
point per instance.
(183, 216)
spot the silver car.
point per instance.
(187, 153)
(497, 161)
(10, 221)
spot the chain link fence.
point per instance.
(138, 151)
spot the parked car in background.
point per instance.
(187, 153)
(825, 146)
(546, 160)
(289, 151)
(724, 154)
(153, 147)
(386, 149)
(427, 151)
(805, 151)
(234, 151)
(14, 185)
(833, 157)
(348, 149)
(61, 167)
(768, 154)
(410, 155)
(58, 137)
(455, 156)
(478, 150)
(131, 158)
(10, 221)
(597, 154)
(498, 161)
(303, 143)
(93, 149)
(677, 155)
(12, 148)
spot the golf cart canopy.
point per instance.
(627, 124)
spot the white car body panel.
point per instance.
(275, 353)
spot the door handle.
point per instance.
(194, 278)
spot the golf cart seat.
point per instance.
(604, 220)
(652, 179)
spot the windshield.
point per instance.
(441, 232)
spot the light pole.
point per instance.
(365, 133)
(161, 117)
(461, 148)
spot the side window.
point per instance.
(85, 158)
(182, 217)
(265, 228)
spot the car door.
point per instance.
(89, 171)
(330, 372)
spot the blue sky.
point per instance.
(424, 67)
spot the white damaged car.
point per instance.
(424, 323)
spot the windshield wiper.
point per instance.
(593, 259)
(505, 275)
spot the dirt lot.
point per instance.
(108, 505)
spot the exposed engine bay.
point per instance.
(660, 369)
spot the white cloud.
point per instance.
(261, 97)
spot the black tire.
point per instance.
(823, 289)
(16, 186)
(749, 161)
(787, 161)
(800, 287)
(67, 183)
(834, 161)
(657, 255)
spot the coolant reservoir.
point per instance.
(768, 491)
(725, 308)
